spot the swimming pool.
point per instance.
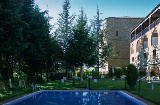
(76, 97)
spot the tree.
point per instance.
(25, 40)
(81, 45)
(131, 76)
(106, 50)
(11, 39)
(104, 47)
(63, 32)
(97, 23)
(37, 39)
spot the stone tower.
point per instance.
(118, 31)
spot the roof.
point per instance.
(157, 7)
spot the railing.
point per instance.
(156, 22)
(145, 30)
(133, 39)
(152, 25)
(138, 35)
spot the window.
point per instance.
(154, 38)
(138, 46)
(138, 57)
(116, 33)
(154, 41)
(154, 53)
(145, 42)
(145, 55)
(132, 49)
(132, 59)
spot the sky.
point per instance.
(108, 8)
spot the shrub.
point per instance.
(142, 73)
(95, 74)
(87, 72)
(152, 73)
(131, 76)
(124, 71)
(118, 72)
(110, 74)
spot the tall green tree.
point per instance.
(104, 47)
(63, 32)
(98, 22)
(37, 38)
(82, 47)
(11, 39)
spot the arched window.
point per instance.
(132, 49)
(145, 42)
(154, 38)
(138, 46)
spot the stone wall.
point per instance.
(119, 29)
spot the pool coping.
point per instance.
(124, 93)
(139, 98)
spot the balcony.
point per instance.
(133, 38)
(138, 35)
(146, 29)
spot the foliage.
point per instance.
(95, 74)
(96, 30)
(131, 75)
(87, 72)
(110, 73)
(64, 23)
(28, 48)
(107, 51)
(153, 73)
(26, 43)
(82, 47)
(118, 72)
(11, 40)
(63, 35)
(142, 73)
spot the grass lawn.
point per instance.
(105, 84)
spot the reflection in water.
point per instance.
(85, 98)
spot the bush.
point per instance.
(118, 72)
(110, 73)
(142, 73)
(152, 73)
(131, 76)
(95, 74)
(87, 72)
(124, 71)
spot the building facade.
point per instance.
(145, 42)
(118, 32)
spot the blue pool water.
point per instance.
(76, 97)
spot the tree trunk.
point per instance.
(81, 74)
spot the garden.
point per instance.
(143, 89)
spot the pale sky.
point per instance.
(108, 8)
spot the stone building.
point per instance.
(145, 42)
(118, 31)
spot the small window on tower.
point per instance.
(132, 59)
(138, 57)
(154, 53)
(116, 33)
